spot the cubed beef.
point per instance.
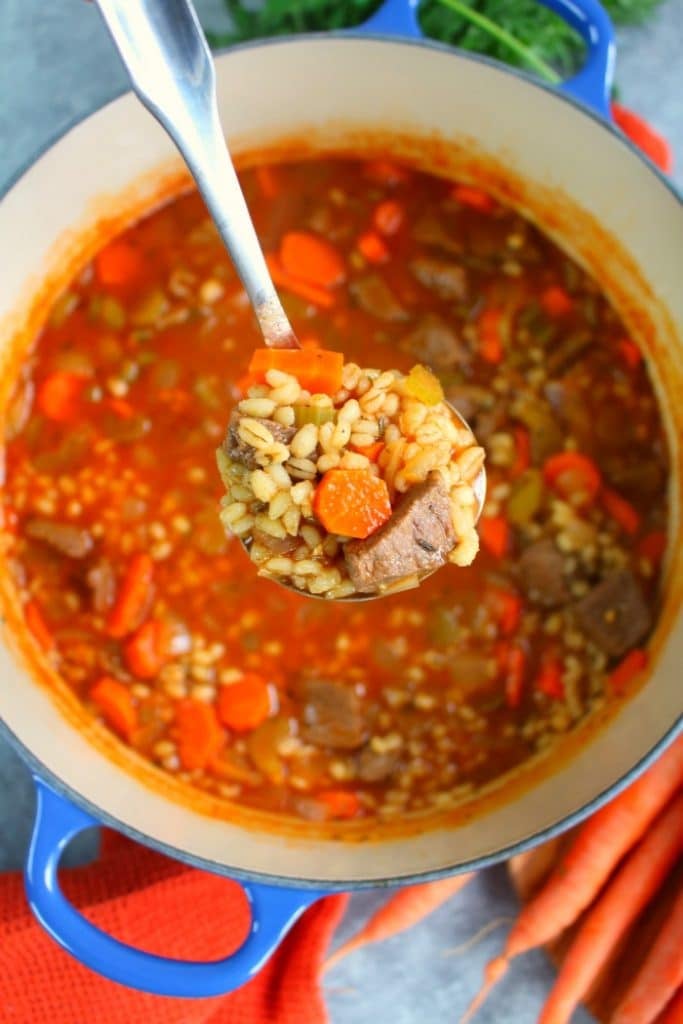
(614, 614)
(331, 715)
(374, 296)
(417, 539)
(540, 570)
(71, 540)
(434, 341)
(237, 450)
(447, 280)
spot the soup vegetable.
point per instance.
(346, 480)
(160, 623)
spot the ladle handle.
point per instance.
(172, 72)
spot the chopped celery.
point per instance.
(313, 414)
(423, 385)
(150, 309)
(525, 497)
(108, 311)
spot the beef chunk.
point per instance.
(540, 571)
(374, 767)
(435, 342)
(416, 539)
(429, 229)
(448, 280)
(70, 540)
(331, 715)
(238, 451)
(614, 614)
(374, 296)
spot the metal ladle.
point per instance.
(172, 72)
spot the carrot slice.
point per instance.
(372, 247)
(120, 263)
(620, 510)
(351, 502)
(317, 370)
(245, 704)
(59, 395)
(388, 217)
(339, 803)
(495, 534)
(38, 626)
(116, 705)
(522, 451)
(507, 609)
(549, 679)
(199, 733)
(652, 546)
(466, 195)
(490, 340)
(556, 301)
(134, 596)
(630, 353)
(575, 477)
(145, 653)
(513, 662)
(370, 451)
(628, 668)
(297, 286)
(312, 258)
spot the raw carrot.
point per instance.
(660, 976)
(133, 598)
(652, 547)
(490, 340)
(38, 626)
(372, 247)
(514, 668)
(120, 263)
(402, 911)
(370, 451)
(351, 502)
(297, 286)
(339, 803)
(317, 370)
(466, 195)
(59, 395)
(495, 534)
(388, 217)
(115, 702)
(620, 510)
(146, 651)
(549, 679)
(644, 136)
(268, 180)
(199, 733)
(245, 704)
(630, 353)
(674, 1011)
(556, 301)
(588, 863)
(628, 668)
(385, 172)
(624, 898)
(312, 258)
(522, 451)
(574, 476)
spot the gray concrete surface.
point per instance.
(57, 65)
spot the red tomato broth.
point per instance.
(180, 389)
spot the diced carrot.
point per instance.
(514, 672)
(38, 626)
(620, 510)
(372, 247)
(388, 217)
(556, 301)
(133, 598)
(386, 172)
(495, 534)
(629, 667)
(370, 451)
(245, 704)
(146, 651)
(120, 263)
(297, 286)
(59, 395)
(507, 608)
(574, 476)
(351, 502)
(490, 340)
(268, 180)
(549, 679)
(317, 370)
(312, 258)
(522, 451)
(466, 195)
(116, 704)
(630, 353)
(339, 803)
(121, 407)
(652, 547)
(654, 145)
(199, 733)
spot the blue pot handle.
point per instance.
(274, 910)
(592, 85)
